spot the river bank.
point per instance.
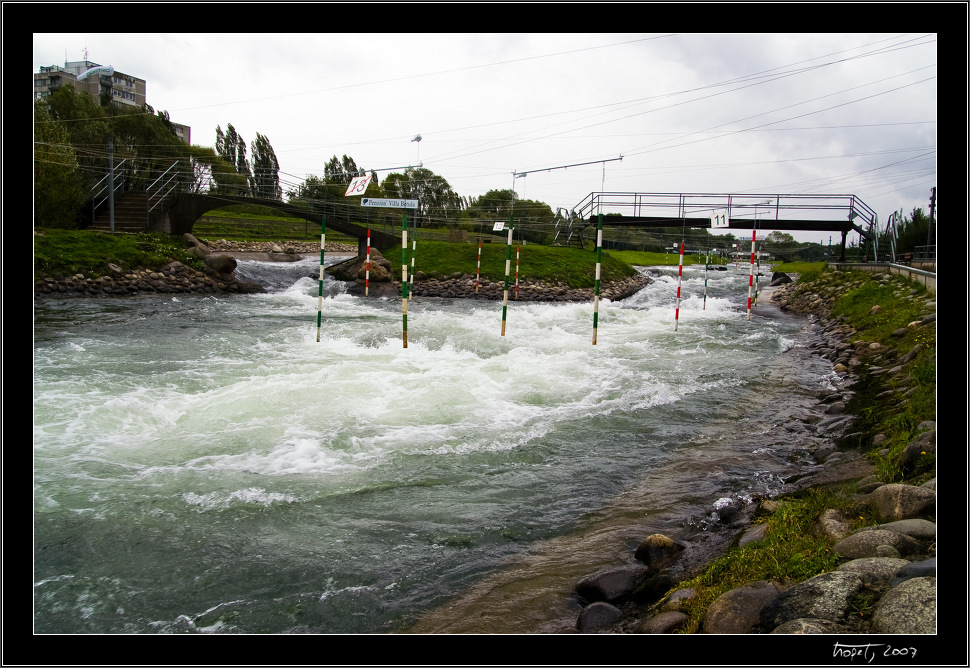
(880, 537)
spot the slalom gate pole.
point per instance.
(516, 273)
(596, 284)
(707, 263)
(367, 267)
(404, 276)
(323, 243)
(478, 269)
(751, 274)
(414, 250)
(680, 272)
(757, 276)
(508, 266)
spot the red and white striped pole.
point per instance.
(680, 272)
(478, 269)
(367, 267)
(754, 234)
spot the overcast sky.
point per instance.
(689, 113)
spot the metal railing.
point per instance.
(159, 189)
(678, 206)
(100, 192)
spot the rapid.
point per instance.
(204, 465)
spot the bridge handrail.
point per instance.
(738, 205)
(99, 190)
(163, 190)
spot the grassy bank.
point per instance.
(572, 267)
(791, 550)
(66, 252)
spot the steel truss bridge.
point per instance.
(764, 211)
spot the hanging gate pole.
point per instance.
(404, 276)
(680, 272)
(508, 267)
(596, 290)
(478, 269)
(367, 267)
(323, 242)
(751, 273)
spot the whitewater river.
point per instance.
(204, 465)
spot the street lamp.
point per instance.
(417, 138)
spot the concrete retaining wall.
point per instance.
(927, 278)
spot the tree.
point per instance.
(210, 172)
(87, 126)
(232, 148)
(146, 140)
(780, 239)
(342, 171)
(912, 231)
(435, 197)
(58, 190)
(266, 170)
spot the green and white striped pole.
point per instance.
(323, 243)
(478, 268)
(516, 272)
(508, 266)
(596, 289)
(404, 276)
(414, 251)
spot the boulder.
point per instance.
(190, 240)
(665, 622)
(877, 572)
(198, 250)
(612, 584)
(916, 569)
(222, 263)
(917, 528)
(899, 502)
(908, 608)
(809, 625)
(864, 543)
(658, 551)
(826, 596)
(831, 525)
(597, 617)
(919, 448)
(378, 273)
(739, 610)
(779, 278)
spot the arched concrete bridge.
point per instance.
(178, 216)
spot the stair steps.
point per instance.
(130, 214)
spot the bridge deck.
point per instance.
(738, 224)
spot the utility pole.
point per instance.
(111, 181)
(929, 231)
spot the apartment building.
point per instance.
(124, 89)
